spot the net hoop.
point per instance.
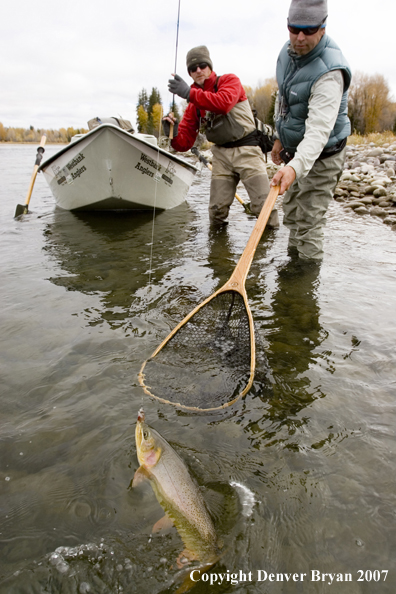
(230, 286)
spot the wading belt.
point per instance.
(251, 139)
(325, 154)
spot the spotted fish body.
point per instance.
(176, 492)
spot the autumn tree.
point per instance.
(156, 117)
(148, 110)
(3, 133)
(271, 114)
(249, 94)
(369, 106)
(175, 109)
(262, 99)
(154, 99)
(142, 119)
(142, 111)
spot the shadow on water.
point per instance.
(112, 254)
(294, 330)
(291, 332)
(222, 259)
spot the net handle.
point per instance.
(238, 277)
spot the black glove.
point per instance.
(166, 127)
(178, 86)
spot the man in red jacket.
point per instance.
(218, 106)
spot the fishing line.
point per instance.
(159, 134)
(153, 220)
(155, 204)
(176, 49)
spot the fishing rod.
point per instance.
(176, 49)
(170, 137)
(177, 40)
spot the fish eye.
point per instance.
(145, 434)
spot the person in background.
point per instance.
(218, 105)
(312, 125)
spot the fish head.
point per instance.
(148, 448)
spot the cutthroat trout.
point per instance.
(177, 494)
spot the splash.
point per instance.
(246, 496)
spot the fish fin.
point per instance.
(185, 557)
(163, 524)
(140, 476)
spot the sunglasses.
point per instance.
(202, 66)
(305, 30)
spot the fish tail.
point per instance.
(185, 575)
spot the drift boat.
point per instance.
(113, 168)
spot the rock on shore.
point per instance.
(368, 182)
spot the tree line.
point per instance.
(31, 134)
(370, 109)
(370, 104)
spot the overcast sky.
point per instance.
(63, 63)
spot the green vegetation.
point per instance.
(61, 136)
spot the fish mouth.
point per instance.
(139, 436)
(139, 432)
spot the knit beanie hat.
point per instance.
(197, 55)
(307, 12)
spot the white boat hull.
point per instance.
(111, 169)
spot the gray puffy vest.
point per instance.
(296, 76)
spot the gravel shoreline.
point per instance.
(368, 182)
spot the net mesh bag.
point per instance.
(207, 362)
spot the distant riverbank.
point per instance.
(6, 142)
(12, 135)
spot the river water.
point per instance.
(86, 299)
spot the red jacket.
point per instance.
(230, 92)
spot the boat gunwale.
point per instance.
(73, 143)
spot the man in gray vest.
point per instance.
(312, 125)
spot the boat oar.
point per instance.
(23, 208)
(205, 161)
